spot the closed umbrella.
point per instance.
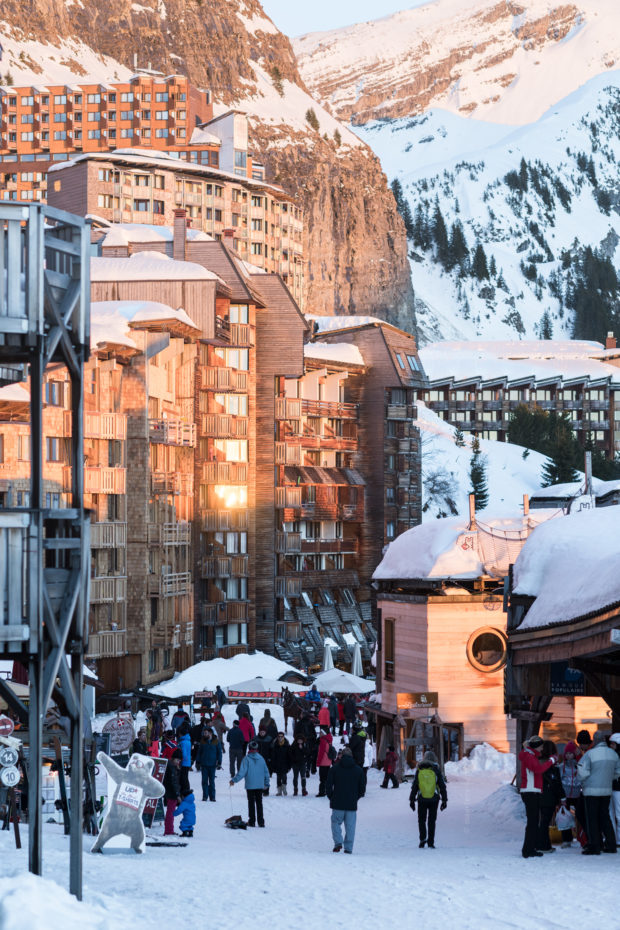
(356, 661)
(328, 659)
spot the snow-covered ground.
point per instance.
(286, 876)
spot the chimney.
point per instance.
(228, 238)
(610, 341)
(179, 235)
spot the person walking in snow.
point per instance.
(268, 724)
(324, 759)
(389, 768)
(187, 811)
(236, 742)
(281, 761)
(256, 774)
(428, 788)
(551, 796)
(185, 745)
(333, 713)
(172, 790)
(614, 742)
(247, 728)
(313, 695)
(208, 759)
(219, 725)
(597, 770)
(357, 743)
(346, 784)
(324, 718)
(299, 763)
(571, 784)
(350, 712)
(531, 786)
(220, 697)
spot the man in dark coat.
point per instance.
(243, 709)
(264, 742)
(346, 784)
(172, 790)
(428, 788)
(281, 761)
(357, 743)
(220, 697)
(236, 741)
(350, 711)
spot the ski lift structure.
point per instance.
(44, 551)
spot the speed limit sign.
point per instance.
(8, 755)
(9, 776)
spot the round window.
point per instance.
(486, 649)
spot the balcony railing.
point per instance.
(108, 535)
(225, 473)
(101, 480)
(107, 644)
(240, 334)
(329, 545)
(288, 587)
(105, 426)
(288, 542)
(170, 584)
(288, 408)
(229, 567)
(178, 483)
(324, 408)
(223, 426)
(108, 589)
(215, 521)
(223, 612)
(169, 534)
(172, 432)
(397, 412)
(288, 497)
(223, 379)
(288, 454)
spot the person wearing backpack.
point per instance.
(428, 787)
(325, 756)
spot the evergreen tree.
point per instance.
(559, 467)
(421, 236)
(546, 326)
(402, 205)
(312, 119)
(479, 267)
(478, 476)
(523, 175)
(458, 253)
(492, 267)
(337, 138)
(440, 236)
(276, 77)
(459, 437)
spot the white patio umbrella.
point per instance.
(261, 687)
(339, 682)
(328, 659)
(356, 661)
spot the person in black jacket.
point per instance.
(299, 763)
(243, 708)
(346, 784)
(139, 744)
(350, 711)
(428, 785)
(304, 727)
(236, 741)
(281, 761)
(357, 743)
(172, 790)
(552, 795)
(265, 743)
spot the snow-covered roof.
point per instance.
(202, 137)
(449, 549)
(15, 393)
(571, 567)
(111, 319)
(223, 672)
(334, 352)
(568, 489)
(124, 233)
(540, 359)
(327, 324)
(147, 266)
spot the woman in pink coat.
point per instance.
(322, 759)
(324, 720)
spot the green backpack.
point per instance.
(427, 782)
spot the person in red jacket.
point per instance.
(323, 761)
(247, 728)
(532, 768)
(389, 767)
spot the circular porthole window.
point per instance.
(487, 649)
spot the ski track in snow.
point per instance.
(286, 876)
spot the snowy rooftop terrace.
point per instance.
(539, 359)
(571, 567)
(341, 352)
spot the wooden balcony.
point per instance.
(171, 584)
(108, 535)
(224, 612)
(398, 412)
(287, 497)
(108, 589)
(223, 379)
(288, 586)
(224, 426)
(240, 334)
(288, 542)
(293, 584)
(225, 473)
(177, 483)
(104, 426)
(215, 521)
(287, 453)
(172, 432)
(101, 480)
(236, 566)
(288, 408)
(169, 534)
(107, 644)
(223, 652)
(329, 545)
(324, 408)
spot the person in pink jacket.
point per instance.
(324, 720)
(323, 760)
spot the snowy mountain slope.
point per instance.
(445, 470)
(500, 60)
(533, 226)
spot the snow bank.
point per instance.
(504, 805)
(570, 567)
(27, 901)
(206, 676)
(482, 758)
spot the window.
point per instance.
(167, 658)
(126, 133)
(23, 448)
(77, 99)
(158, 207)
(161, 133)
(239, 314)
(257, 225)
(127, 98)
(27, 136)
(77, 117)
(390, 495)
(53, 449)
(141, 206)
(126, 114)
(399, 359)
(111, 98)
(92, 117)
(486, 649)
(27, 101)
(105, 174)
(27, 118)
(161, 97)
(52, 499)
(153, 660)
(413, 363)
(105, 201)
(389, 652)
(54, 393)
(257, 248)
(161, 114)
(390, 529)
(94, 133)
(94, 98)
(60, 117)
(146, 114)
(146, 98)
(112, 116)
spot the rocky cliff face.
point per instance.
(356, 246)
(500, 60)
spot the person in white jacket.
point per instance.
(614, 742)
(597, 770)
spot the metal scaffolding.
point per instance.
(44, 550)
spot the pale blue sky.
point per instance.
(295, 18)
